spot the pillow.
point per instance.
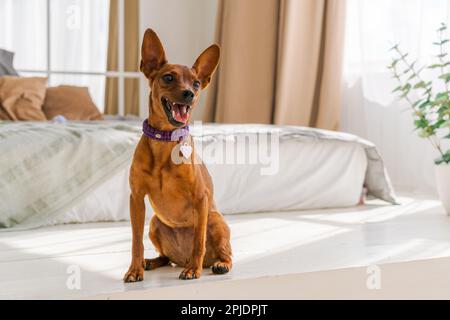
(22, 98)
(74, 103)
(6, 63)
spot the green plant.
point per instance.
(431, 107)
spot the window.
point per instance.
(370, 109)
(65, 40)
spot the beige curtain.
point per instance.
(132, 56)
(281, 63)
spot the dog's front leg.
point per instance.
(194, 268)
(137, 215)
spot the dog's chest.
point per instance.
(171, 196)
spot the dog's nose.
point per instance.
(188, 95)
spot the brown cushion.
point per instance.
(74, 103)
(22, 98)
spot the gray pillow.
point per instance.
(6, 63)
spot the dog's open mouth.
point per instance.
(177, 113)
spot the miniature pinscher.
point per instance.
(186, 229)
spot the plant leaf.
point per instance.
(424, 133)
(446, 157)
(406, 87)
(411, 77)
(435, 66)
(440, 97)
(444, 41)
(395, 47)
(415, 104)
(421, 123)
(425, 104)
(421, 84)
(399, 88)
(393, 64)
(445, 77)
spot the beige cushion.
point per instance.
(74, 103)
(22, 98)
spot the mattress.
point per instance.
(255, 168)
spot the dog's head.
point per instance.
(175, 89)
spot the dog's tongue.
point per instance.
(180, 113)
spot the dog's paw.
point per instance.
(190, 273)
(221, 267)
(134, 274)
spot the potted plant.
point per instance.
(430, 102)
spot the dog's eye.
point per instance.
(196, 85)
(168, 78)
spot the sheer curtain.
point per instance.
(79, 31)
(23, 30)
(370, 109)
(79, 38)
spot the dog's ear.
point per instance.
(206, 64)
(153, 55)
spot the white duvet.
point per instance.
(299, 168)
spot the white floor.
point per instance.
(40, 263)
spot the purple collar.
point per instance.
(160, 135)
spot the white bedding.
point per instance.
(316, 169)
(330, 177)
(47, 169)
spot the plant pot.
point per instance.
(443, 185)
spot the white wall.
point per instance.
(185, 27)
(408, 158)
(370, 109)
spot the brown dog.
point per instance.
(186, 229)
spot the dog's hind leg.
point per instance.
(154, 233)
(219, 240)
(161, 261)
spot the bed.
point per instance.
(76, 172)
